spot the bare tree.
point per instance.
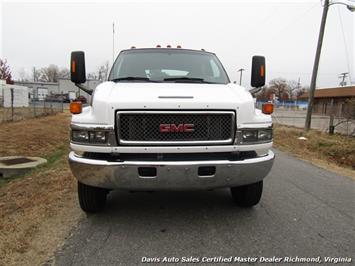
(264, 93)
(50, 73)
(348, 115)
(5, 72)
(349, 110)
(292, 87)
(103, 71)
(93, 75)
(35, 74)
(279, 87)
(64, 73)
(301, 91)
(23, 76)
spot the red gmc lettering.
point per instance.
(164, 128)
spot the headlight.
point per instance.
(94, 137)
(98, 136)
(249, 135)
(264, 134)
(255, 136)
(80, 136)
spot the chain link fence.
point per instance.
(297, 118)
(36, 108)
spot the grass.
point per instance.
(52, 159)
(37, 209)
(338, 150)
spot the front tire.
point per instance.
(247, 195)
(91, 199)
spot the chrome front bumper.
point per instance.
(170, 175)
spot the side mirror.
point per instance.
(258, 71)
(77, 67)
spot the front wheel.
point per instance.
(91, 199)
(247, 195)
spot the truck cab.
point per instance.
(169, 119)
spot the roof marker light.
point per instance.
(168, 46)
(158, 46)
(133, 47)
(179, 46)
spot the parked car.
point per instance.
(54, 98)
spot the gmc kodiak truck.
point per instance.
(169, 119)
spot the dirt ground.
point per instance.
(37, 210)
(335, 153)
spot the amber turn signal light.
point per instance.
(268, 108)
(76, 107)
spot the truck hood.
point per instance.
(144, 95)
(109, 97)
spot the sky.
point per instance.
(36, 34)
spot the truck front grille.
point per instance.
(144, 128)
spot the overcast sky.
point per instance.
(285, 32)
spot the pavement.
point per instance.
(305, 212)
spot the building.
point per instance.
(13, 95)
(341, 98)
(40, 90)
(66, 86)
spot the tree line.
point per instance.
(282, 89)
(50, 73)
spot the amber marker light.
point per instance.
(262, 71)
(73, 66)
(76, 107)
(268, 108)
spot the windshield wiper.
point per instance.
(187, 79)
(134, 78)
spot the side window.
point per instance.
(215, 71)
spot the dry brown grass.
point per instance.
(38, 210)
(22, 113)
(336, 152)
(34, 137)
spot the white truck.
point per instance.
(169, 119)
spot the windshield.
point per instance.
(168, 65)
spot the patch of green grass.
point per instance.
(52, 160)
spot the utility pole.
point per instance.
(299, 83)
(343, 77)
(241, 74)
(312, 89)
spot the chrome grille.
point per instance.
(142, 128)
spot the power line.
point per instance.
(295, 19)
(345, 45)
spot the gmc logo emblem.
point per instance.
(165, 128)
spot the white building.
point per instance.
(13, 95)
(40, 90)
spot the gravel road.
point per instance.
(305, 211)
